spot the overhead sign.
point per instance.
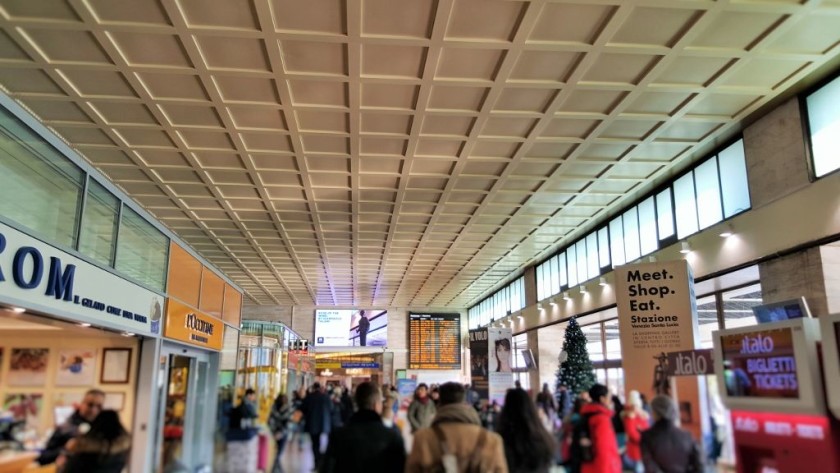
(691, 363)
(185, 324)
(40, 277)
(351, 328)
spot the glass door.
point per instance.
(187, 398)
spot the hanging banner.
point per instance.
(657, 314)
(499, 344)
(479, 369)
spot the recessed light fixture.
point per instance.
(727, 231)
(652, 259)
(566, 296)
(553, 301)
(602, 281)
(539, 306)
(18, 310)
(127, 334)
(583, 288)
(84, 325)
(685, 248)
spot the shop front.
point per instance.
(349, 369)
(66, 327)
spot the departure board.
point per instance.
(434, 341)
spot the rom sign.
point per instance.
(690, 363)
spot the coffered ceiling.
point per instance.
(397, 153)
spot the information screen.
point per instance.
(760, 364)
(351, 328)
(434, 341)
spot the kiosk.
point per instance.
(769, 377)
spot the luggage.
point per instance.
(263, 457)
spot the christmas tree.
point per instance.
(575, 371)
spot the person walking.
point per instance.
(278, 424)
(636, 421)
(422, 410)
(598, 415)
(529, 448)
(102, 449)
(665, 447)
(317, 413)
(456, 441)
(548, 406)
(365, 444)
(570, 458)
(87, 411)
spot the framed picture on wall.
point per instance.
(76, 367)
(114, 400)
(28, 366)
(116, 364)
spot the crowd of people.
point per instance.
(455, 431)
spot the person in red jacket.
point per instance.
(601, 433)
(636, 420)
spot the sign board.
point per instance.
(479, 374)
(760, 364)
(499, 343)
(691, 363)
(40, 277)
(185, 324)
(434, 341)
(657, 314)
(406, 388)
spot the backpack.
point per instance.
(449, 462)
(580, 449)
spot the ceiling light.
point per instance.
(553, 301)
(652, 259)
(727, 231)
(18, 310)
(127, 334)
(566, 296)
(602, 281)
(583, 288)
(84, 325)
(539, 306)
(685, 248)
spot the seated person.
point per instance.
(86, 413)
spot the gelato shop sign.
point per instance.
(40, 277)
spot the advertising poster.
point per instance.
(760, 364)
(351, 328)
(657, 314)
(499, 344)
(405, 388)
(479, 363)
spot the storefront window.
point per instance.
(99, 224)
(707, 319)
(39, 188)
(142, 250)
(738, 304)
(594, 344)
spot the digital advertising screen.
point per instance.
(434, 341)
(760, 364)
(351, 328)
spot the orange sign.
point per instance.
(188, 325)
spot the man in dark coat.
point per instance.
(365, 444)
(86, 413)
(317, 413)
(364, 326)
(665, 447)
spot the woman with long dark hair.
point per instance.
(103, 449)
(502, 350)
(528, 446)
